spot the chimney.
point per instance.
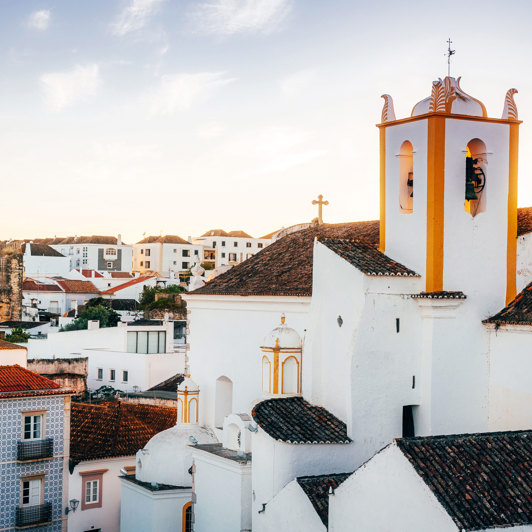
(93, 324)
(119, 240)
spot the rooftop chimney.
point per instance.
(119, 240)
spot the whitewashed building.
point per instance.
(43, 260)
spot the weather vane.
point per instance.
(449, 54)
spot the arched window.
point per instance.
(406, 178)
(224, 400)
(290, 375)
(110, 252)
(180, 417)
(193, 410)
(266, 375)
(187, 517)
(475, 177)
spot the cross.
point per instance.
(449, 54)
(319, 202)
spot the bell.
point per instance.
(470, 191)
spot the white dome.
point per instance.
(189, 384)
(283, 337)
(167, 457)
(448, 96)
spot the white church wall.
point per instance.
(524, 261)
(510, 393)
(406, 234)
(385, 495)
(35, 265)
(475, 247)
(328, 346)
(223, 493)
(291, 510)
(275, 464)
(225, 336)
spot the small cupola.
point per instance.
(282, 353)
(187, 401)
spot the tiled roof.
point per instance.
(90, 273)
(169, 385)
(94, 239)
(481, 480)
(167, 239)
(124, 304)
(9, 345)
(294, 420)
(77, 287)
(16, 381)
(239, 234)
(41, 250)
(115, 429)
(364, 256)
(22, 324)
(215, 232)
(518, 312)
(120, 275)
(284, 268)
(439, 295)
(127, 284)
(317, 487)
(524, 220)
(32, 286)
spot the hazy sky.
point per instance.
(133, 116)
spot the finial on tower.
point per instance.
(449, 54)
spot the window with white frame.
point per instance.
(125, 376)
(32, 491)
(100, 374)
(92, 491)
(112, 375)
(33, 426)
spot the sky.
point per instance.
(178, 116)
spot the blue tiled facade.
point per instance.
(11, 471)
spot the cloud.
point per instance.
(181, 91)
(62, 89)
(229, 17)
(135, 16)
(39, 20)
(298, 82)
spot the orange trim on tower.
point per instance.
(276, 370)
(511, 250)
(435, 202)
(382, 223)
(184, 523)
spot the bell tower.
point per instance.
(448, 206)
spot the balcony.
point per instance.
(33, 515)
(30, 450)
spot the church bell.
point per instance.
(474, 179)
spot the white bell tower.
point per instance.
(455, 227)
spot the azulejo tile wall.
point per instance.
(11, 472)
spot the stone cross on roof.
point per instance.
(320, 203)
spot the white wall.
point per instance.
(45, 298)
(108, 516)
(151, 511)
(225, 336)
(385, 495)
(524, 261)
(10, 357)
(45, 265)
(223, 494)
(510, 392)
(290, 510)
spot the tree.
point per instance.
(18, 335)
(105, 315)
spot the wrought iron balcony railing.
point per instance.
(33, 515)
(35, 449)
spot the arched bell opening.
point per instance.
(475, 177)
(406, 178)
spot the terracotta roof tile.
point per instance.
(364, 256)
(167, 239)
(317, 487)
(284, 268)
(115, 429)
(121, 275)
(239, 234)
(41, 250)
(518, 312)
(77, 287)
(89, 273)
(442, 294)
(10, 345)
(294, 420)
(18, 379)
(32, 286)
(127, 284)
(524, 220)
(482, 480)
(215, 232)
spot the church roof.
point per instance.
(524, 220)
(115, 429)
(481, 480)
(284, 268)
(295, 420)
(442, 294)
(518, 312)
(317, 487)
(364, 256)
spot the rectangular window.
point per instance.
(109, 265)
(112, 374)
(91, 491)
(142, 263)
(100, 374)
(142, 252)
(142, 342)
(408, 422)
(91, 488)
(153, 342)
(248, 244)
(249, 255)
(232, 257)
(147, 264)
(84, 261)
(223, 255)
(33, 426)
(235, 244)
(184, 265)
(148, 253)
(214, 244)
(32, 492)
(175, 262)
(146, 342)
(186, 253)
(125, 376)
(196, 252)
(259, 245)
(223, 243)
